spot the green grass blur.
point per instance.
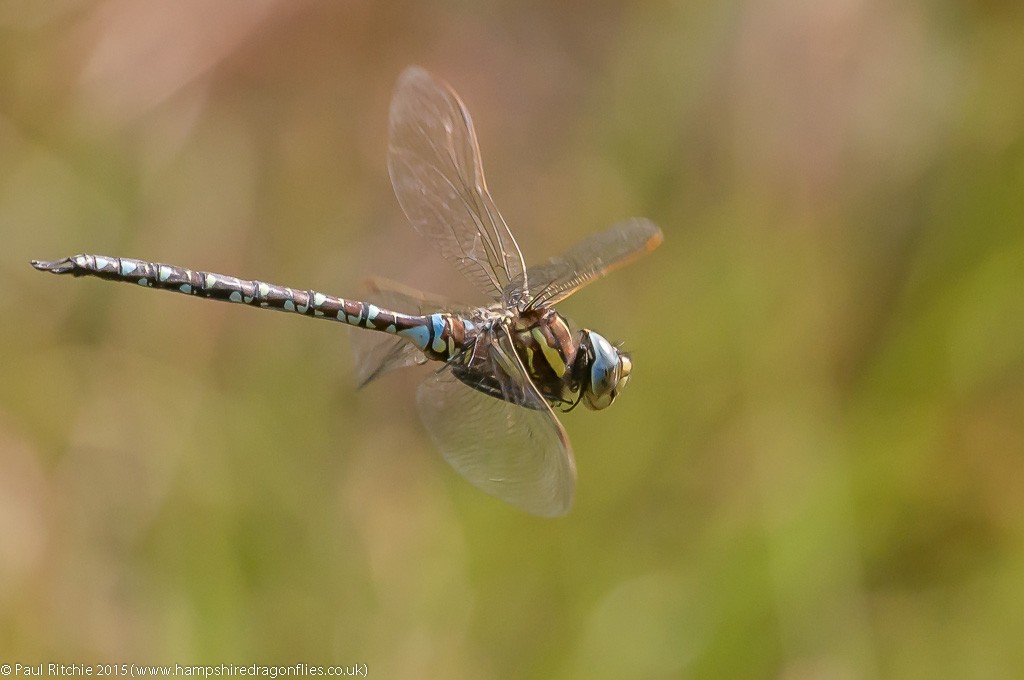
(816, 472)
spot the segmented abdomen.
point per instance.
(439, 336)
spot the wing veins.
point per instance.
(438, 175)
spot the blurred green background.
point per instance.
(817, 471)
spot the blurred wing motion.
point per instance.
(377, 353)
(512, 447)
(590, 259)
(435, 168)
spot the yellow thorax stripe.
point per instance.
(552, 355)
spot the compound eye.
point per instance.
(604, 372)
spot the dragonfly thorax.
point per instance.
(566, 365)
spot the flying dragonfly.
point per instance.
(506, 366)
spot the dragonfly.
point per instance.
(506, 366)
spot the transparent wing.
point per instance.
(397, 296)
(377, 353)
(590, 259)
(512, 448)
(435, 168)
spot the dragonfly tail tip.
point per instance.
(56, 266)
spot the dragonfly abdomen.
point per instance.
(439, 336)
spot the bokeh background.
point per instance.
(817, 471)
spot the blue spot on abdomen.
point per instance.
(417, 335)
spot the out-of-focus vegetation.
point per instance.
(817, 471)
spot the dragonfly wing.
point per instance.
(377, 353)
(397, 296)
(590, 259)
(512, 448)
(435, 168)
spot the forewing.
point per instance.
(514, 450)
(435, 168)
(590, 259)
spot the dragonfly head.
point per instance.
(603, 370)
